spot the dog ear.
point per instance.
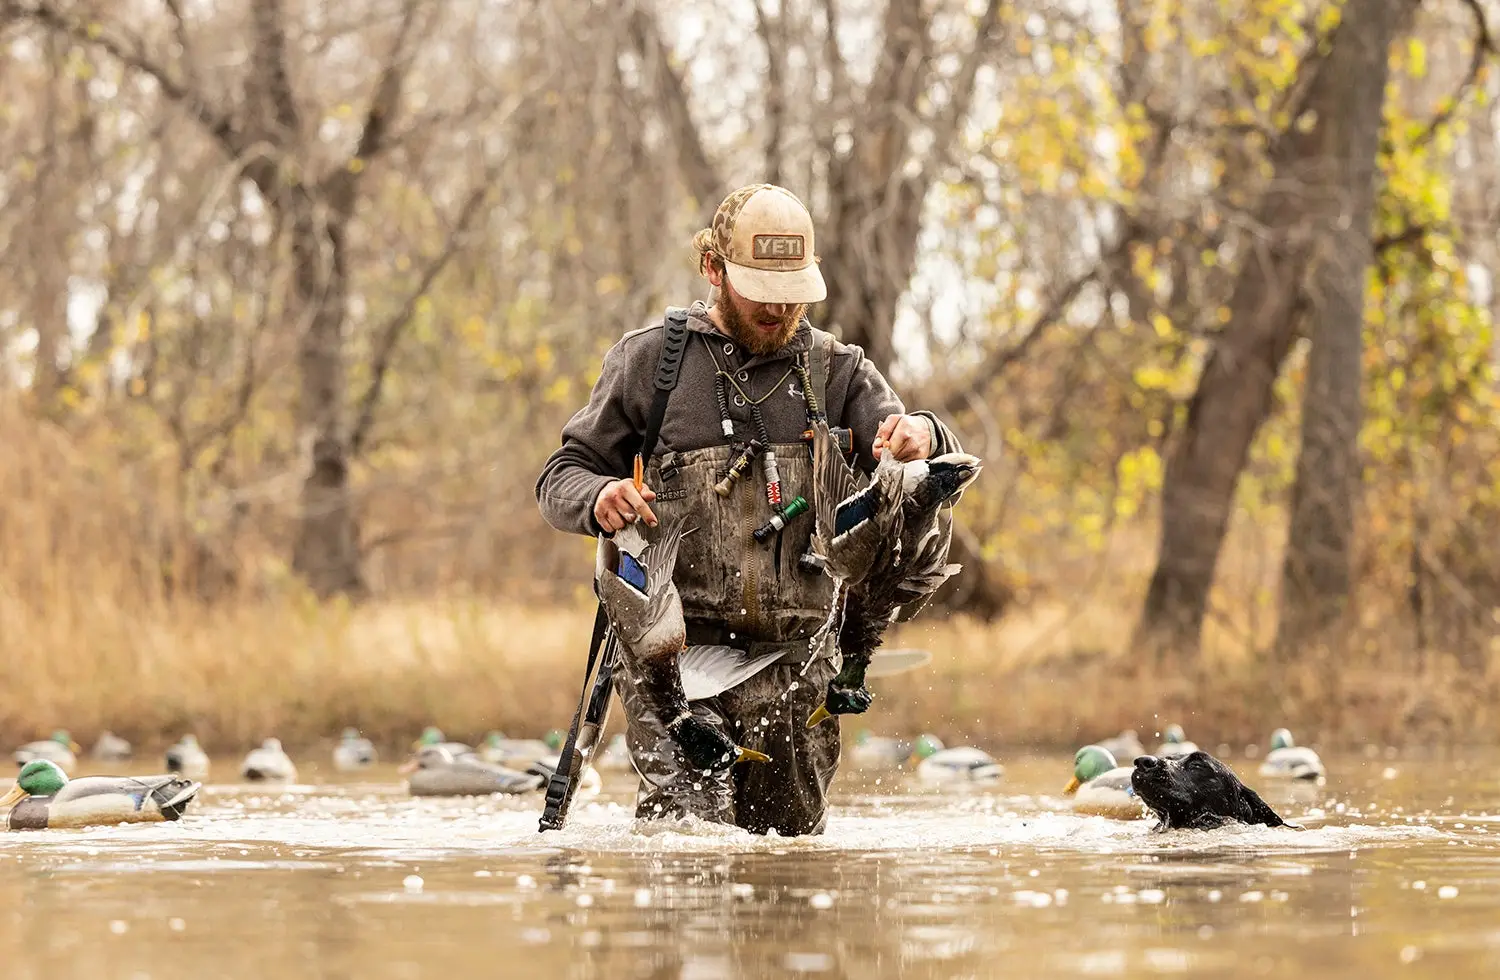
(1254, 810)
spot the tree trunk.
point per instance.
(1315, 576)
(326, 553)
(1295, 219)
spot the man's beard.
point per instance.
(749, 335)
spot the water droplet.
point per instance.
(742, 889)
(412, 883)
(1215, 895)
(821, 900)
(176, 924)
(1419, 885)
(584, 901)
(483, 874)
(1410, 954)
(642, 897)
(119, 927)
(1447, 891)
(526, 881)
(1152, 896)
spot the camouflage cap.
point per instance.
(764, 234)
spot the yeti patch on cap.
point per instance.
(777, 246)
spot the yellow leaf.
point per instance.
(1161, 325)
(142, 326)
(356, 165)
(609, 285)
(1418, 54)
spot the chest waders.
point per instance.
(592, 712)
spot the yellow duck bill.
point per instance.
(821, 715)
(15, 795)
(750, 755)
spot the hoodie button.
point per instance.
(739, 401)
(729, 348)
(744, 375)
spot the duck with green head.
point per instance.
(433, 735)
(497, 748)
(44, 797)
(1288, 760)
(1102, 787)
(1174, 743)
(434, 771)
(960, 764)
(60, 748)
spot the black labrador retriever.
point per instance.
(1198, 792)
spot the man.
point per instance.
(750, 362)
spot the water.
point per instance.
(1396, 875)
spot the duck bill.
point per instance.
(750, 755)
(75, 747)
(409, 766)
(821, 715)
(16, 795)
(1072, 786)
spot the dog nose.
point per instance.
(1147, 762)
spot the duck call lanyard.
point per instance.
(760, 443)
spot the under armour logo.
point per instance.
(794, 391)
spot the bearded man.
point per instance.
(728, 449)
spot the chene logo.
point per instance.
(777, 247)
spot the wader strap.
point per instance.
(818, 357)
(673, 346)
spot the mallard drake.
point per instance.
(897, 538)
(633, 579)
(435, 772)
(1126, 747)
(961, 764)
(269, 764)
(432, 735)
(1287, 760)
(497, 748)
(353, 752)
(110, 748)
(188, 758)
(1101, 786)
(60, 748)
(44, 797)
(1174, 743)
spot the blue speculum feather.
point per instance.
(854, 513)
(631, 571)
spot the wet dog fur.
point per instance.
(1198, 792)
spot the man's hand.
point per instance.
(907, 437)
(619, 504)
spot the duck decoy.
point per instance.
(961, 764)
(1126, 747)
(434, 771)
(269, 764)
(188, 758)
(1101, 786)
(1174, 744)
(110, 748)
(44, 797)
(60, 748)
(1288, 760)
(353, 751)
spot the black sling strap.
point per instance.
(593, 705)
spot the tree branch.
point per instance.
(1484, 46)
(340, 185)
(390, 333)
(268, 20)
(963, 85)
(218, 125)
(770, 32)
(702, 177)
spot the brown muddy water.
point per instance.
(1397, 875)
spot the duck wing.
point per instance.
(835, 488)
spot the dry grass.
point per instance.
(91, 637)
